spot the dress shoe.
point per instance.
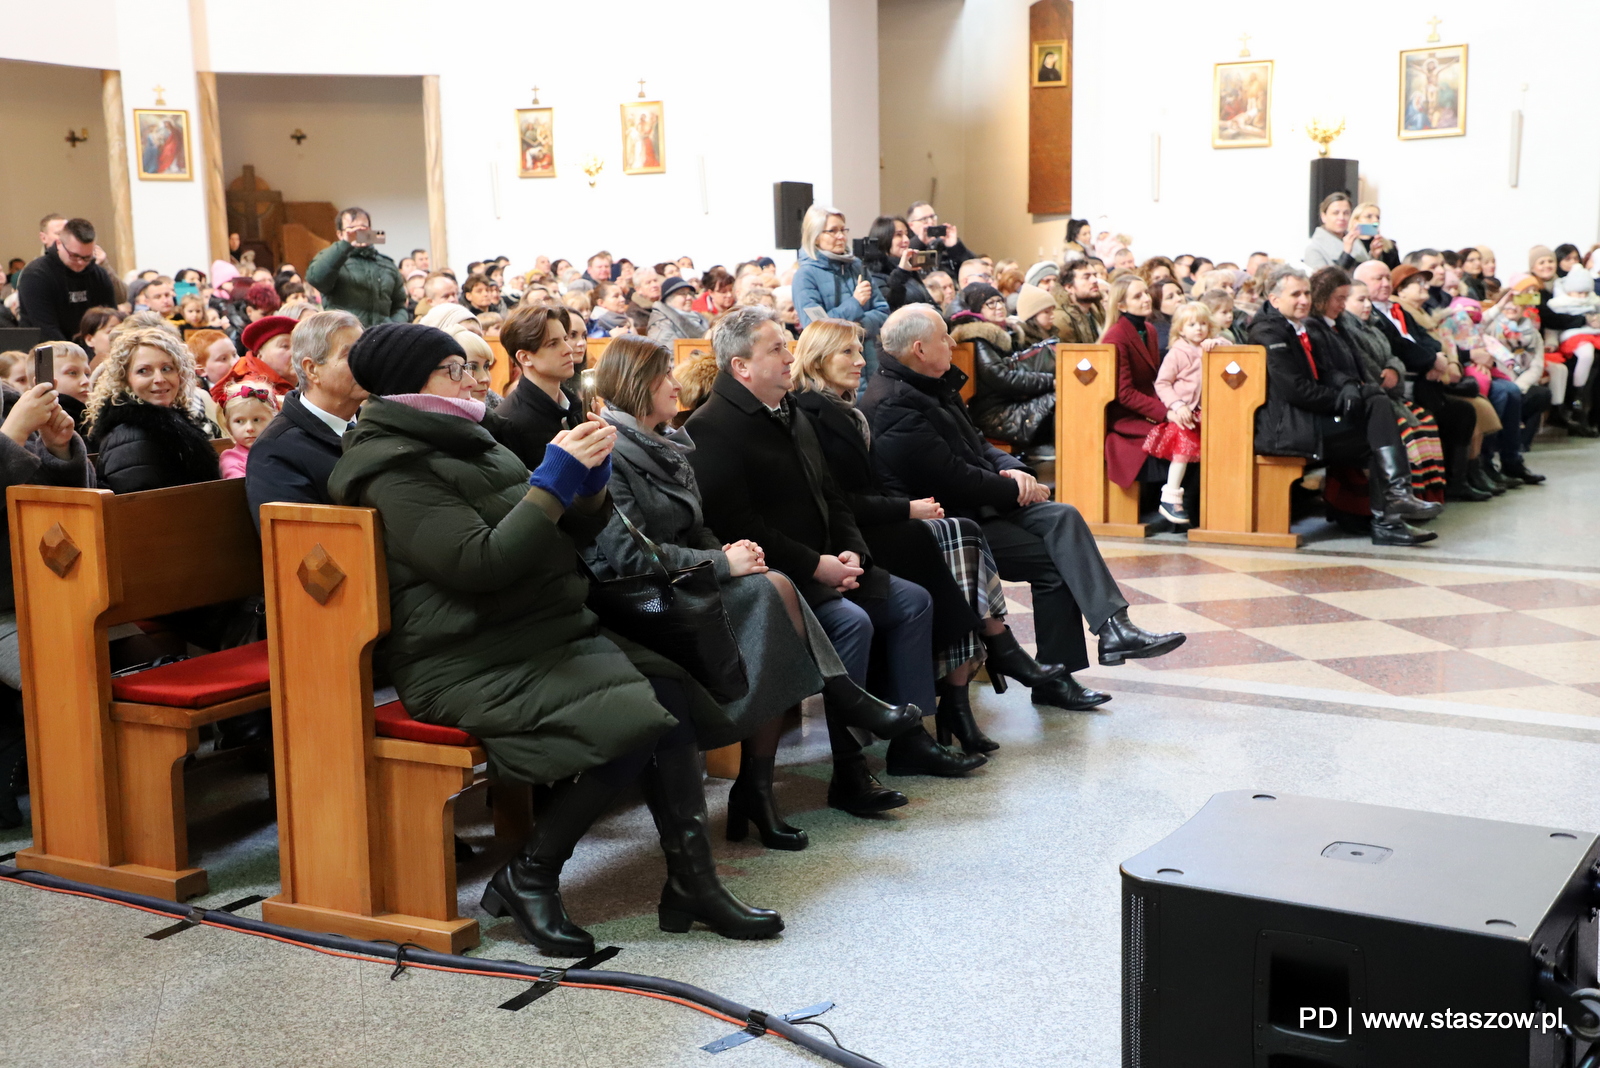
(1069, 694)
(916, 753)
(1521, 473)
(858, 708)
(1007, 658)
(955, 719)
(1497, 476)
(1479, 483)
(751, 801)
(1121, 639)
(855, 790)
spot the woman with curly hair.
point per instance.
(139, 419)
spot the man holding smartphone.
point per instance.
(942, 239)
(354, 276)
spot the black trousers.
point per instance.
(1456, 416)
(1350, 441)
(1049, 546)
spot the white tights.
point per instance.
(1173, 490)
(1558, 383)
(1582, 360)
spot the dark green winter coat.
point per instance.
(488, 629)
(361, 281)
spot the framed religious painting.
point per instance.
(1433, 92)
(644, 144)
(163, 140)
(1241, 105)
(1048, 65)
(536, 153)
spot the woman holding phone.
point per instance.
(831, 283)
(1336, 243)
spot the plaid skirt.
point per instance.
(972, 565)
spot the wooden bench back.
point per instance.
(1228, 404)
(965, 357)
(596, 349)
(1086, 383)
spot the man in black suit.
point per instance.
(763, 478)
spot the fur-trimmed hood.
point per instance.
(153, 445)
(993, 333)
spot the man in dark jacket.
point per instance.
(354, 276)
(952, 253)
(58, 287)
(292, 459)
(926, 445)
(764, 478)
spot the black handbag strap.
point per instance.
(646, 546)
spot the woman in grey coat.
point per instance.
(1336, 243)
(787, 654)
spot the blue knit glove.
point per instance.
(598, 477)
(560, 474)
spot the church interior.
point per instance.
(1118, 458)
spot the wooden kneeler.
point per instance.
(365, 823)
(1086, 382)
(1244, 497)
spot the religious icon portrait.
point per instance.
(163, 142)
(536, 156)
(643, 139)
(1242, 105)
(1049, 64)
(1433, 92)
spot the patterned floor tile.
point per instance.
(1335, 579)
(1307, 673)
(1216, 648)
(1564, 699)
(1407, 603)
(1165, 617)
(1416, 674)
(1428, 576)
(1587, 687)
(1361, 638)
(1586, 619)
(1533, 593)
(1488, 630)
(1184, 589)
(1567, 663)
(1270, 612)
(1022, 627)
(1126, 567)
(1263, 562)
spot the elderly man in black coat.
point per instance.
(926, 445)
(291, 461)
(763, 477)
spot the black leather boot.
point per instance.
(1463, 477)
(857, 791)
(916, 753)
(13, 758)
(1390, 464)
(1389, 527)
(528, 888)
(954, 719)
(1069, 694)
(1497, 476)
(1008, 658)
(675, 791)
(751, 801)
(1478, 481)
(858, 708)
(1121, 639)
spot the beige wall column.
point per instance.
(210, 162)
(433, 147)
(117, 160)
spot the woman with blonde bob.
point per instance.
(831, 279)
(139, 418)
(914, 539)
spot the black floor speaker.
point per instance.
(789, 203)
(1333, 176)
(1289, 932)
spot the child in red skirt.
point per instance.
(1178, 387)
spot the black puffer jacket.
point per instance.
(1015, 400)
(145, 446)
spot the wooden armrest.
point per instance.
(450, 756)
(188, 718)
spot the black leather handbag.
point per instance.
(678, 614)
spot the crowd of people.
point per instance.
(857, 515)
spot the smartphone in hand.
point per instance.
(44, 365)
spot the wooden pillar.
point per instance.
(211, 165)
(433, 142)
(1050, 113)
(117, 161)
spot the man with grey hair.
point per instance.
(646, 291)
(764, 478)
(925, 444)
(292, 459)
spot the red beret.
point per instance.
(262, 331)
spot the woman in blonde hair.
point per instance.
(139, 418)
(914, 539)
(1378, 247)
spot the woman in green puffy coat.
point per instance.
(489, 633)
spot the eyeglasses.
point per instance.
(924, 219)
(454, 370)
(836, 230)
(995, 302)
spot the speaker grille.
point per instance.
(1138, 978)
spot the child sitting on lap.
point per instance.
(1178, 387)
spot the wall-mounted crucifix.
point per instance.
(298, 137)
(641, 88)
(536, 94)
(74, 138)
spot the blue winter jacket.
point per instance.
(823, 283)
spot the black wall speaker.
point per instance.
(1289, 932)
(1333, 176)
(789, 203)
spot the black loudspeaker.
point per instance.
(1290, 932)
(1333, 176)
(789, 203)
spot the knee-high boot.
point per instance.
(1392, 503)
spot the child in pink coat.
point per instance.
(1178, 387)
(247, 408)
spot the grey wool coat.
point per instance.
(652, 482)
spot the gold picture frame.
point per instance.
(536, 143)
(1241, 104)
(1433, 92)
(1041, 67)
(161, 137)
(644, 137)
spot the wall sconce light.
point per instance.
(298, 137)
(77, 137)
(592, 166)
(1323, 132)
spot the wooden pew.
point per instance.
(596, 348)
(1086, 382)
(107, 773)
(365, 822)
(1244, 498)
(966, 359)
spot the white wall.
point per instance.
(363, 144)
(81, 33)
(40, 172)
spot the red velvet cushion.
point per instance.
(392, 721)
(199, 682)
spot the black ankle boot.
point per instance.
(13, 758)
(1479, 482)
(528, 888)
(751, 801)
(1008, 658)
(1121, 639)
(1520, 472)
(858, 708)
(1069, 694)
(916, 753)
(675, 791)
(954, 719)
(1497, 476)
(857, 791)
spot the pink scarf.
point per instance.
(428, 402)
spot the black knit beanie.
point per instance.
(976, 295)
(393, 358)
